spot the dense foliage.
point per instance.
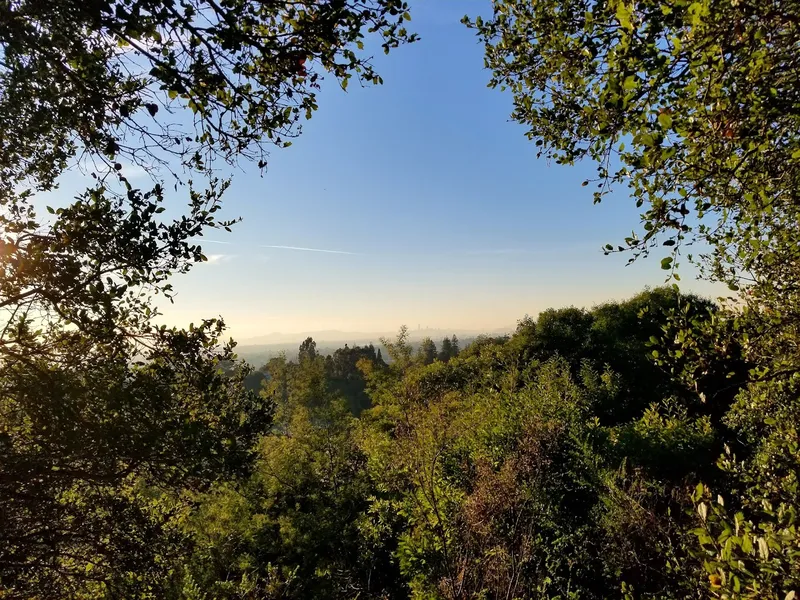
(559, 462)
(692, 106)
(110, 424)
(640, 449)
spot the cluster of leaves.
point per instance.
(297, 527)
(692, 105)
(98, 454)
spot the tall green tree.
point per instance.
(691, 105)
(110, 422)
(347, 379)
(454, 344)
(426, 353)
(307, 351)
(446, 350)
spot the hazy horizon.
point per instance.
(245, 336)
(339, 336)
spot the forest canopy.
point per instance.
(646, 448)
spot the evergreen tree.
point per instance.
(307, 351)
(454, 346)
(447, 350)
(427, 351)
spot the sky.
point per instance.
(416, 202)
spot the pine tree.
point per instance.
(446, 351)
(455, 349)
(427, 351)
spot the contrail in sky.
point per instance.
(308, 249)
(484, 252)
(285, 247)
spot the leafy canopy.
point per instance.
(111, 78)
(110, 423)
(691, 105)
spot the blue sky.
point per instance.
(442, 213)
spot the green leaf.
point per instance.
(624, 14)
(647, 139)
(630, 82)
(666, 263)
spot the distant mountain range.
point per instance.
(259, 350)
(359, 337)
